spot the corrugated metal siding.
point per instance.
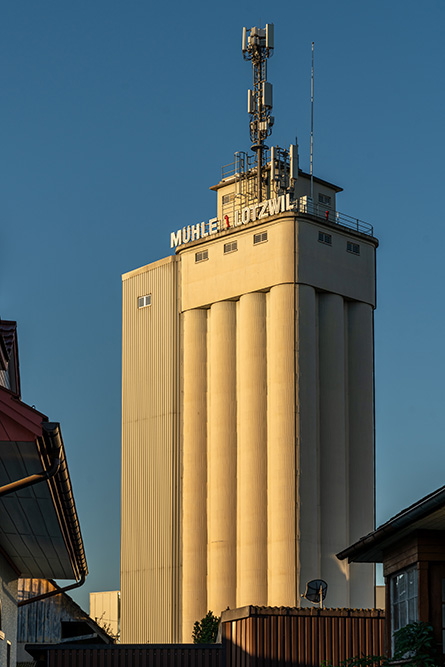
(139, 656)
(105, 610)
(149, 543)
(303, 637)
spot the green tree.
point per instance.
(205, 631)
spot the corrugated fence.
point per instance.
(251, 637)
(128, 655)
(256, 636)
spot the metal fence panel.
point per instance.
(268, 637)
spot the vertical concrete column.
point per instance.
(281, 451)
(221, 469)
(194, 483)
(361, 444)
(334, 479)
(307, 436)
(251, 460)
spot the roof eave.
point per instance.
(366, 549)
(64, 498)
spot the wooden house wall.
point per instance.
(40, 622)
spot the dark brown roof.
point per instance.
(9, 354)
(426, 514)
(8, 332)
(39, 528)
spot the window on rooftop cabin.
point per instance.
(324, 199)
(226, 199)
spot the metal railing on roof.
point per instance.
(243, 165)
(328, 214)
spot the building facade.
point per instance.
(248, 427)
(105, 610)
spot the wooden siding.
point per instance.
(421, 546)
(40, 622)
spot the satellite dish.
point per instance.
(316, 591)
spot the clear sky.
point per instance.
(116, 118)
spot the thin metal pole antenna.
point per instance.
(312, 124)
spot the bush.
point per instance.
(364, 661)
(416, 643)
(205, 631)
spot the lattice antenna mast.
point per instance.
(258, 44)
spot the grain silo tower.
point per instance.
(248, 396)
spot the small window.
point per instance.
(226, 199)
(201, 256)
(403, 596)
(353, 247)
(144, 301)
(259, 238)
(324, 199)
(325, 238)
(230, 247)
(443, 615)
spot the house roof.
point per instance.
(9, 356)
(426, 514)
(43, 623)
(301, 173)
(39, 529)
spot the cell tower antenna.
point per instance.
(257, 46)
(312, 124)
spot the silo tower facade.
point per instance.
(248, 397)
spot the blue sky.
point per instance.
(117, 117)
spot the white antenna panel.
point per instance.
(269, 35)
(244, 43)
(293, 162)
(250, 102)
(267, 95)
(272, 164)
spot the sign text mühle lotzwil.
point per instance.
(248, 214)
